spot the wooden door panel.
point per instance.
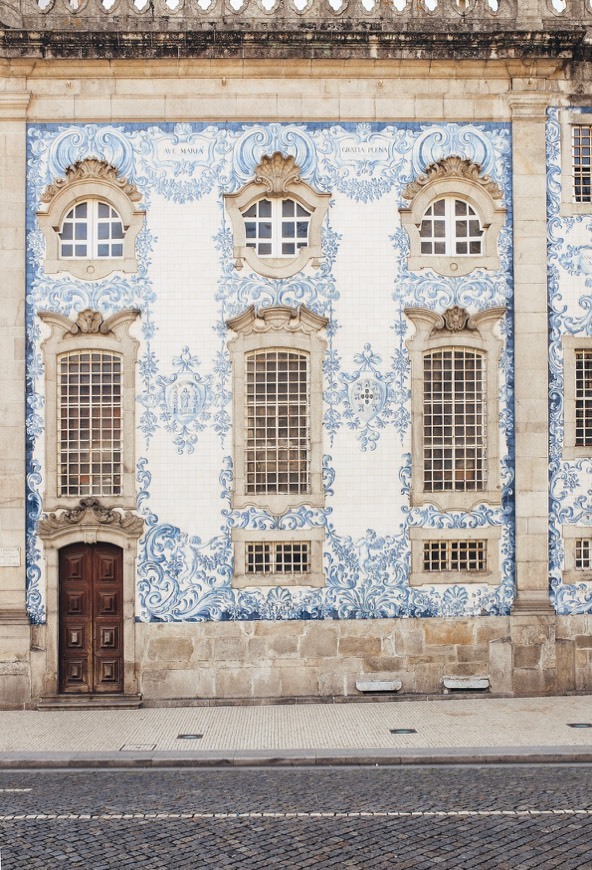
(91, 618)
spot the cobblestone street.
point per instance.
(460, 817)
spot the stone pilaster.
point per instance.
(14, 627)
(528, 110)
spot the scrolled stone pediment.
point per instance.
(457, 168)
(91, 170)
(277, 318)
(90, 513)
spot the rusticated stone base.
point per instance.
(521, 654)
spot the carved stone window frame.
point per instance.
(278, 327)
(314, 578)
(461, 179)
(90, 180)
(569, 120)
(277, 177)
(455, 329)
(491, 577)
(571, 574)
(90, 333)
(571, 344)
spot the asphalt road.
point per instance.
(414, 817)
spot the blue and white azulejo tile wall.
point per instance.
(187, 287)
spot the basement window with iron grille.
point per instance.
(468, 555)
(278, 557)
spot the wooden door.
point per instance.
(91, 618)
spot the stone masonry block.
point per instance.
(232, 649)
(320, 642)
(527, 656)
(566, 666)
(500, 666)
(267, 683)
(234, 683)
(439, 632)
(170, 649)
(299, 682)
(359, 646)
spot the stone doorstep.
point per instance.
(89, 702)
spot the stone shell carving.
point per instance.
(455, 318)
(277, 173)
(89, 322)
(91, 170)
(90, 511)
(277, 318)
(453, 167)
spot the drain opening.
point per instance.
(579, 724)
(403, 730)
(189, 736)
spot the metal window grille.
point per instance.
(276, 228)
(583, 398)
(91, 229)
(277, 448)
(278, 557)
(455, 555)
(451, 227)
(581, 154)
(583, 554)
(90, 452)
(454, 425)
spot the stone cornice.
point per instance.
(13, 107)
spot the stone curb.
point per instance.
(296, 758)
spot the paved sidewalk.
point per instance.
(485, 730)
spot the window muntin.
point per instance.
(454, 424)
(277, 445)
(581, 165)
(92, 229)
(90, 429)
(278, 557)
(467, 555)
(583, 557)
(583, 398)
(451, 227)
(277, 227)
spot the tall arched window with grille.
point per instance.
(454, 420)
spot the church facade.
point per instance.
(297, 350)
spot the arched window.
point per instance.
(90, 434)
(451, 228)
(276, 227)
(92, 229)
(453, 219)
(277, 356)
(90, 220)
(90, 382)
(277, 219)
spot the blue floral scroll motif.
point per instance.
(364, 163)
(366, 397)
(466, 140)
(570, 492)
(107, 143)
(259, 140)
(183, 401)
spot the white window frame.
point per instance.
(277, 220)
(451, 221)
(454, 177)
(571, 534)
(455, 329)
(89, 181)
(569, 120)
(89, 333)
(92, 242)
(277, 178)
